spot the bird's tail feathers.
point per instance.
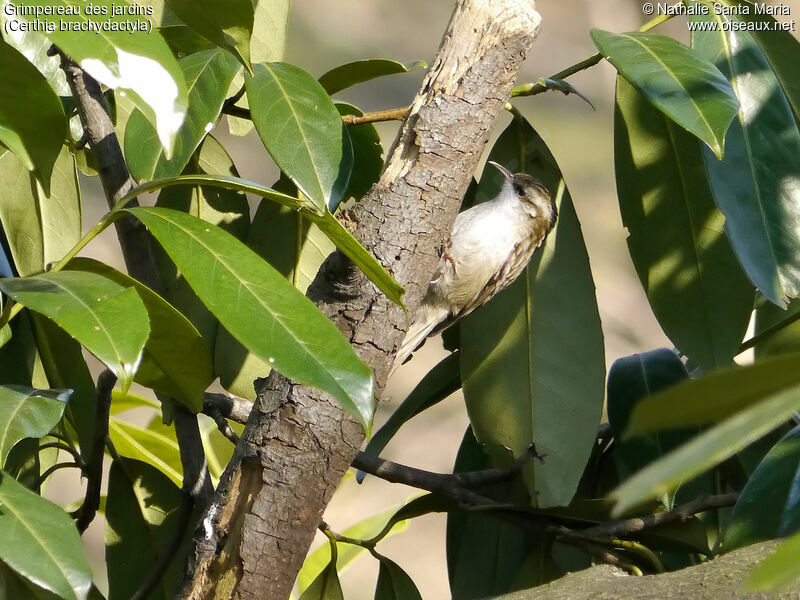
(419, 330)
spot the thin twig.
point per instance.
(391, 114)
(55, 468)
(448, 486)
(66, 448)
(222, 423)
(684, 512)
(94, 463)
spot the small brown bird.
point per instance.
(490, 246)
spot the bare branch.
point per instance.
(94, 463)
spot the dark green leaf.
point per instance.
(326, 586)
(681, 84)
(394, 583)
(141, 520)
(139, 63)
(39, 542)
(693, 281)
(768, 505)
(708, 449)
(28, 413)
(755, 185)
(261, 309)
(65, 367)
(32, 122)
(184, 41)
(714, 397)
(147, 446)
(630, 381)
(367, 154)
(359, 71)
(532, 359)
(439, 383)
(302, 130)
(208, 75)
(105, 317)
(19, 357)
(229, 25)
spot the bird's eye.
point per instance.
(521, 191)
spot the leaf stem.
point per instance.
(532, 89)
(768, 332)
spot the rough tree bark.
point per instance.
(299, 442)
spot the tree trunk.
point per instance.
(299, 442)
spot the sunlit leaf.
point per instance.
(39, 541)
(680, 83)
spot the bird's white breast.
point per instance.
(482, 240)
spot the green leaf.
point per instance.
(359, 71)
(302, 130)
(229, 209)
(261, 309)
(316, 562)
(440, 382)
(394, 583)
(105, 317)
(326, 586)
(487, 556)
(28, 413)
(777, 570)
(786, 339)
(707, 449)
(141, 520)
(693, 281)
(334, 230)
(229, 25)
(367, 154)
(268, 44)
(270, 32)
(35, 46)
(677, 81)
(208, 75)
(176, 360)
(714, 397)
(768, 505)
(349, 245)
(32, 121)
(139, 63)
(630, 380)
(65, 367)
(148, 446)
(780, 48)
(39, 542)
(532, 359)
(39, 228)
(755, 185)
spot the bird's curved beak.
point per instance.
(508, 174)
